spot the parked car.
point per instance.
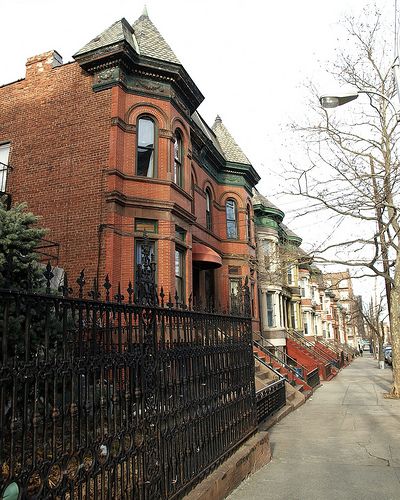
(388, 355)
(387, 348)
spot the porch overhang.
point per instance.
(205, 257)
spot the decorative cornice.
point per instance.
(151, 180)
(136, 202)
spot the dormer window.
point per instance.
(145, 147)
(178, 156)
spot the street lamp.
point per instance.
(333, 101)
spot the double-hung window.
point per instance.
(145, 161)
(139, 254)
(208, 210)
(270, 310)
(235, 289)
(231, 220)
(4, 153)
(178, 170)
(248, 224)
(180, 273)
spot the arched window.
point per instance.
(208, 210)
(178, 156)
(192, 193)
(248, 224)
(231, 220)
(145, 147)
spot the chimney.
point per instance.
(42, 63)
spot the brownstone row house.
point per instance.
(110, 146)
(294, 294)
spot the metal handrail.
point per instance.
(272, 356)
(345, 347)
(268, 366)
(328, 346)
(308, 345)
(285, 355)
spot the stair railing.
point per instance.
(329, 346)
(310, 346)
(292, 373)
(283, 357)
(346, 348)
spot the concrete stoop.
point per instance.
(251, 456)
(294, 398)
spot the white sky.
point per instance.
(249, 59)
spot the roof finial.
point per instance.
(217, 119)
(145, 13)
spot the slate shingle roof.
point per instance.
(150, 41)
(117, 32)
(207, 131)
(230, 148)
(143, 37)
(289, 232)
(259, 199)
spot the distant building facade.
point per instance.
(278, 272)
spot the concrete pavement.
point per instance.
(343, 444)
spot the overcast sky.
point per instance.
(249, 58)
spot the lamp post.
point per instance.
(333, 101)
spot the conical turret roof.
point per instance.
(229, 146)
(119, 31)
(150, 41)
(143, 37)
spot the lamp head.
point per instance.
(329, 101)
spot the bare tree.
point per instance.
(275, 263)
(373, 316)
(352, 169)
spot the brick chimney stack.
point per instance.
(42, 63)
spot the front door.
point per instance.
(209, 288)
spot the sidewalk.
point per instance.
(343, 444)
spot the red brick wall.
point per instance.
(73, 155)
(59, 134)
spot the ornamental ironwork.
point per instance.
(108, 392)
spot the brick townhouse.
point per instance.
(111, 145)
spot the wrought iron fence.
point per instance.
(270, 400)
(119, 396)
(313, 378)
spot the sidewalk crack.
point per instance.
(374, 456)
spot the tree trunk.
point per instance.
(381, 357)
(395, 328)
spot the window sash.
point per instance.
(178, 179)
(138, 250)
(270, 310)
(231, 219)
(145, 147)
(192, 204)
(248, 225)
(4, 153)
(180, 272)
(208, 210)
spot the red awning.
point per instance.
(205, 256)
